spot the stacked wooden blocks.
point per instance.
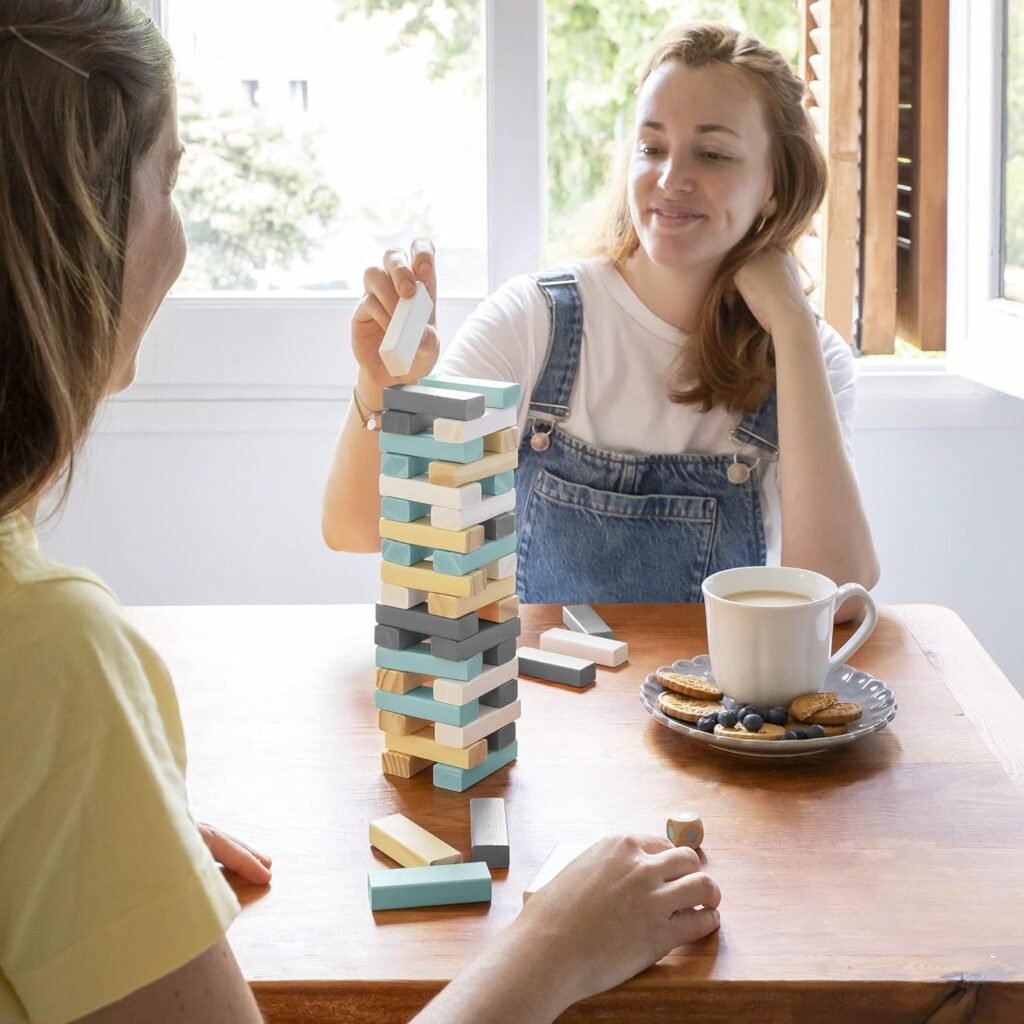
(448, 618)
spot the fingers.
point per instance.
(651, 843)
(424, 266)
(693, 890)
(398, 269)
(236, 856)
(691, 925)
(371, 309)
(674, 862)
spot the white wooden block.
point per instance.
(420, 489)
(401, 597)
(402, 338)
(460, 518)
(461, 431)
(560, 857)
(502, 568)
(453, 691)
(489, 720)
(582, 645)
(410, 844)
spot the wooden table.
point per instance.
(882, 882)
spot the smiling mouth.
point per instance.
(677, 217)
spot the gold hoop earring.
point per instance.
(760, 226)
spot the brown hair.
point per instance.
(69, 145)
(730, 360)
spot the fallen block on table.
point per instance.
(488, 830)
(556, 668)
(436, 886)
(581, 618)
(560, 857)
(610, 653)
(410, 844)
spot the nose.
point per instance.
(676, 175)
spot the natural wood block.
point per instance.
(455, 474)
(400, 725)
(506, 440)
(451, 607)
(685, 829)
(404, 766)
(423, 744)
(401, 597)
(501, 611)
(423, 577)
(422, 533)
(410, 844)
(390, 680)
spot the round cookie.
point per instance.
(803, 707)
(767, 732)
(692, 686)
(836, 714)
(687, 708)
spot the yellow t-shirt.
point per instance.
(105, 883)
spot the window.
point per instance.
(1013, 181)
(345, 138)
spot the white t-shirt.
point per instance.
(620, 400)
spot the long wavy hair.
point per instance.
(69, 146)
(730, 360)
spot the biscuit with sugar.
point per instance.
(687, 708)
(691, 686)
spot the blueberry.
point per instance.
(745, 709)
(728, 719)
(799, 734)
(788, 735)
(729, 704)
(707, 723)
(777, 716)
(815, 732)
(753, 723)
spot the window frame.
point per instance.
(985, 339)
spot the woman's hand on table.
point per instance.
(236, 856)
(620, 907)
(384, 286)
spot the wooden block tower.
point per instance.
(448, 618)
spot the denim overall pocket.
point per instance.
(587, 545)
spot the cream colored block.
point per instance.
(502, 568)
(461, 431)
(420, 489)
(400, 725)
(452, 607)
(582, 645)
(404, 766)
(502, 440)
(422, 533)
(452, 691)
(401, 597)
(501, 611)
(458, 474)
(392, 681)
(423, 744)
(489, 720)
(409, 844)
(560, 857)
(422, 576)
(461, 518)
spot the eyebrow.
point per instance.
(702, 129)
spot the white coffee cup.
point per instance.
(772, 652)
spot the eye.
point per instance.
(714, 157)
(646, 149)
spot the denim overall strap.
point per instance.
(760, 429)
(553, 393)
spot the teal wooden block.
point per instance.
(454, 564)
(402, 511)
(403, 554)
(439, 885)
(423, 446)
(404, 466)
(420, 703)
(497, 394)
(458, 780)
(419, 659)
(499, 483)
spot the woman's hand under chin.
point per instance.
(770, 286)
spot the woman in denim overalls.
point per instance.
(723, 180)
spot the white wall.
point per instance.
(198, 502)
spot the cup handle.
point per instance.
(854, 644)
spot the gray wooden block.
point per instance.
(581, 618)
(488, 635)
(421, 621)
(488, 831)
(505, 651)
(395, 638)
(502, 696)
(556, 668)
(502, 738)
(434, 402)
(500, 526)
(394, 422)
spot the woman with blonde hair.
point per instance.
(112, 908)
(673, 379)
